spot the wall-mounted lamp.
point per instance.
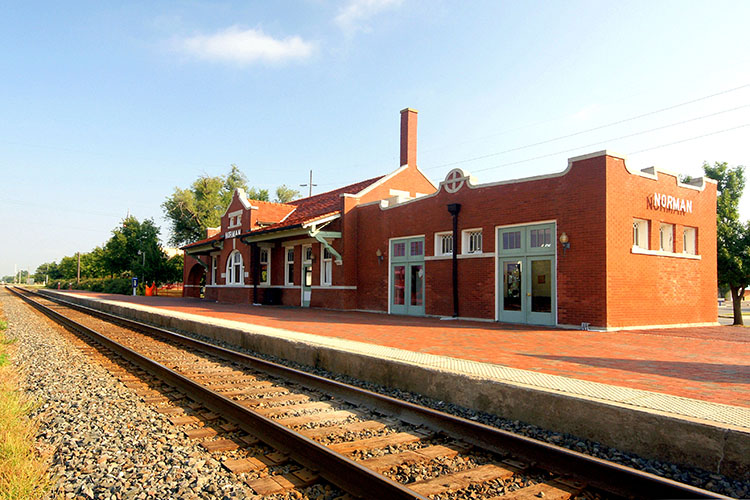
(565, 242)
(379, 255)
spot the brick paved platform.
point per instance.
(710, 364)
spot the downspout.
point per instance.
(454, 209)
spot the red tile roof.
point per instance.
(216, 237)
(297, 212)
(269, 212)
(318, 206)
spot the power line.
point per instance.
(630, 135)
(691, 139)
(618, 122)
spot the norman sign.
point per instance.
(672, 203)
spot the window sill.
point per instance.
(661, 253)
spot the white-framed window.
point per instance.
(443, 243)
(666, 237)
(265, 266)
(235, 269)
(640, 234)
(326, 267)
(307, 254)
(235, 219)
(690, 240)
(289, 266)
(213, 269)
(472, 241)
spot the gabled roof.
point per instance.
(271, 213)
(315, 207)
(295, 213)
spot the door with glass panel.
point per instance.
(526, 281)
(307, 273)
(407, 276)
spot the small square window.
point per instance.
(511, 240)
(540, 238)
(444, 244)
(416, 248)
(399, 249)
(472, 241)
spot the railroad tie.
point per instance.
(461, 480)
(315, 418)
(379, 442)
(293, 408)
(409, 457)
(285, 399)
(323, 432)
(270, 485)
(549, 490)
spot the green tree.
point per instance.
(134, 250)
(286, 194)
(190, 211)
(50, 270)
(257, 194)
(68, 268)
(733, 236)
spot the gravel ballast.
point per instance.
(106, 443)
(101, 439)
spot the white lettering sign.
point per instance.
(232, 234)
(672, 203)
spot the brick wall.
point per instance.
(575, 200)
(655, 289)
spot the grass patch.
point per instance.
(22, 472)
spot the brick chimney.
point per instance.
(409, 137)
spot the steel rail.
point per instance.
(339, 470)
(607, 476)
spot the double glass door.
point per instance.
(526, 281)
(527, 290)
(407, 276)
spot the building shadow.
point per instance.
(699, 372)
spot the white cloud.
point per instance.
(244, 47)
(351, 17)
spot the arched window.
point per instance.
(235, 270)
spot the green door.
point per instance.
(526, 289)
(407, 276)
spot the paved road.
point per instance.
(726, 313)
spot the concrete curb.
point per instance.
(717, 448)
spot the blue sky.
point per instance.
(106, 107)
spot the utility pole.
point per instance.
(309, 184)
(78, 278)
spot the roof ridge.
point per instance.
(342, 188)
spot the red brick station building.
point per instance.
(597, 245)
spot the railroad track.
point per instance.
(283, 429)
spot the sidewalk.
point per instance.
(708, 363)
